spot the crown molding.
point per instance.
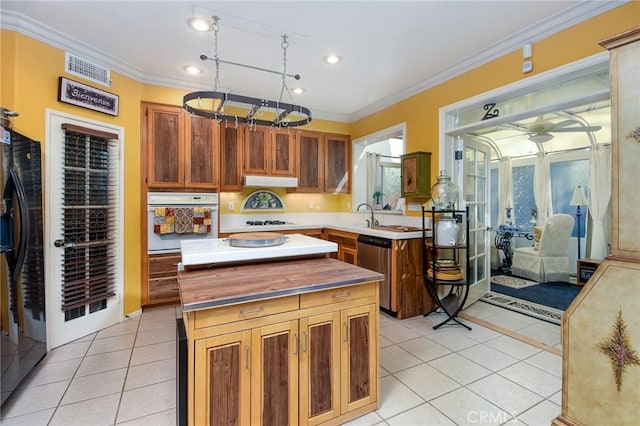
(532, 33)
(582, 11)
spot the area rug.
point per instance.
(513, 282)
(557, 295)
(525, 307)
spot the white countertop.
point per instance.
(218, 250)
(356, 229)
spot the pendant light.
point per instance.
(213, 104)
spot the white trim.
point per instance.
(52, 117)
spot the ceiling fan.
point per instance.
(541, 130)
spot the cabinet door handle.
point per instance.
(342, 295)
(295, 345)
(247, 356)
(252, 311)
(346, 332)
(304, 333)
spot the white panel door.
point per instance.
(476, 174)
(78, 247)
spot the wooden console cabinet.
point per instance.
(308, 358)
(585, 269)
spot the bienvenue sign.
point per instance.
(75, 93)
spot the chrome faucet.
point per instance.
(373, 221)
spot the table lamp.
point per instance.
(578, 199)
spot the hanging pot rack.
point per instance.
(213, 104)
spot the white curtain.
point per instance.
(373, 165)
(505, 190)
(542, 188)
(599, 196)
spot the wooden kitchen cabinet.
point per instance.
(408, 295)
(337, 163)
(182, 150)
(415, 169)
(269, 151)
(310, 162)
(347, 245)
(161, 283)
(201, 153)
(231, 158)
(163, 141)
(305, 359)
(323, 163)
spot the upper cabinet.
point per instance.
(310, 162)
(182, 150)
(337, 163)
(231, 158)
(163, 138)
(416, 174)
(269, 151)
(201, 152)
(323, 162)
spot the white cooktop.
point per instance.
(218, 250)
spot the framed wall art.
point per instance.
(82, 95)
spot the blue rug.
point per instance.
(557, 295)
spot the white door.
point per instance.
(83, 243)
(476, 173)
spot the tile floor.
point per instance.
(126, 374)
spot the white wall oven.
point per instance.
(175, 216)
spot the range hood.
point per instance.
(271, 181)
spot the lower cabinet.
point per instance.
(313, 365)
(161, 284)
(347, 245)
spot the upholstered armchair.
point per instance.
(549, 261)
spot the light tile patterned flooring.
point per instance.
(126, 374)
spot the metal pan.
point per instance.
(256, 239)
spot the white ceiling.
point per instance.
(390, 49)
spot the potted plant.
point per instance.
(377, 196)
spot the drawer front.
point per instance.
(163, 265)
(163, 288)
(350, 241)
(243, 311)
(337, 295)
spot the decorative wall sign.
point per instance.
(492, 111)
(79, 94)
(263, 200)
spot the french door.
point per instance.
(84, 220)
(476, 173)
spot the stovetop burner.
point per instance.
(265, 222)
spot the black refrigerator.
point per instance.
(23, 337)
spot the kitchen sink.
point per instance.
(397, 228)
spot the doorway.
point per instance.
(551, 97)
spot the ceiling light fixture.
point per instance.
(200, 24)
(245, 109)
(332, 59)
(298, 90)
(192, 69)
(541, 137)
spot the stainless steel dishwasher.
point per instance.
(374, 253)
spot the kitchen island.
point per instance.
(284, 341)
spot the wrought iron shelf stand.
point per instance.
(455, 291)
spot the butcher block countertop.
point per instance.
(227, 285)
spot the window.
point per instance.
(389, 144)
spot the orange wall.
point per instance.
(29, 84)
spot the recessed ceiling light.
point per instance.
(200, 24)
(192, 69)
(297, 90)
(332, 59)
